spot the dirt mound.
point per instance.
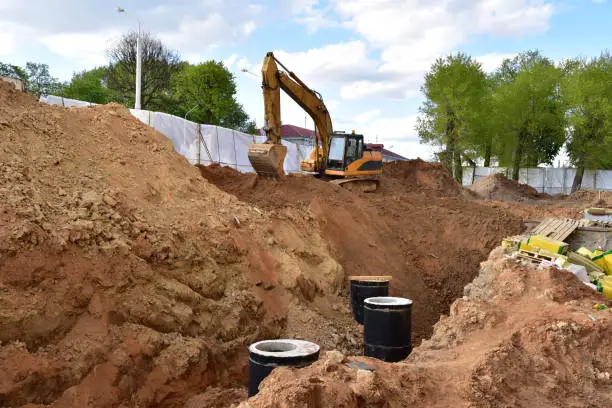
(591, 197)
(418, 175)
(125, 277)
(498, 187)
(429, 242)
(518, 338)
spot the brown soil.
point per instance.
(498, 187)
(417, 227)
(125, 278)
(518, 338)
(129, 280)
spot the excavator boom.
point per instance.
(268, 158)
(337, 157)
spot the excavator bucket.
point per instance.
(268, 159)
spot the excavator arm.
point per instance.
(267, 158)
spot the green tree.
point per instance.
(39, 80)
(455, 89)
(587, 88)
(159, 64)
(89, 86)
(36, 76)
(13, 71)
(528, 111)
(208, 92)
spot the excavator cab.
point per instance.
(351, 164)
(344, 149)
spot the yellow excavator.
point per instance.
(339, 157)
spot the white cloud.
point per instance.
(229, 61)
(212, 31)
(388, 128)
(333, 104)
(339, 62)
(13, 37)
(160, 9)
(366, 116)
(396, 133)
(88, 49)
(8, 42)
(490, 62)
(411, 34)
(400, 88)
(299, 6)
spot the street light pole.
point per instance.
(138, 69)
(137, 97)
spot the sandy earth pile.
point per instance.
(499, 187)
(518, 338)
(125, 278)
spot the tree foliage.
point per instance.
(36, 76)
(208, 92)
(587, 89)
(89, 86)
(159, 64)
(529, 111)
(454, 90)
(12, 71)
(519, 115)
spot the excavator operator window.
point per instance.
(335, 157)
(351, 150)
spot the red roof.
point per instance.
(296, 131)
(379, 146)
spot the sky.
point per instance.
(366, 57)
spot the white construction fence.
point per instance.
(551, 180)
(216, 144)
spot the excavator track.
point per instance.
(365, 185)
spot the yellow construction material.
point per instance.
(604, 260)
(599, 211)
(585, 252)
(540, 241)
(526, 247)
(577, 259)
(606, 286)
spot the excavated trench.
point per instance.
(126, 279)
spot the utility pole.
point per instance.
(137, 97)
(138, 69)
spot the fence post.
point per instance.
(199, 141)
(564, 180)
(218, 145)
(235, 156)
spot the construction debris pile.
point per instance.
(129, 279)
(545, 248)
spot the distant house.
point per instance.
(388, 155)
(19, 84)
(304, 137)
